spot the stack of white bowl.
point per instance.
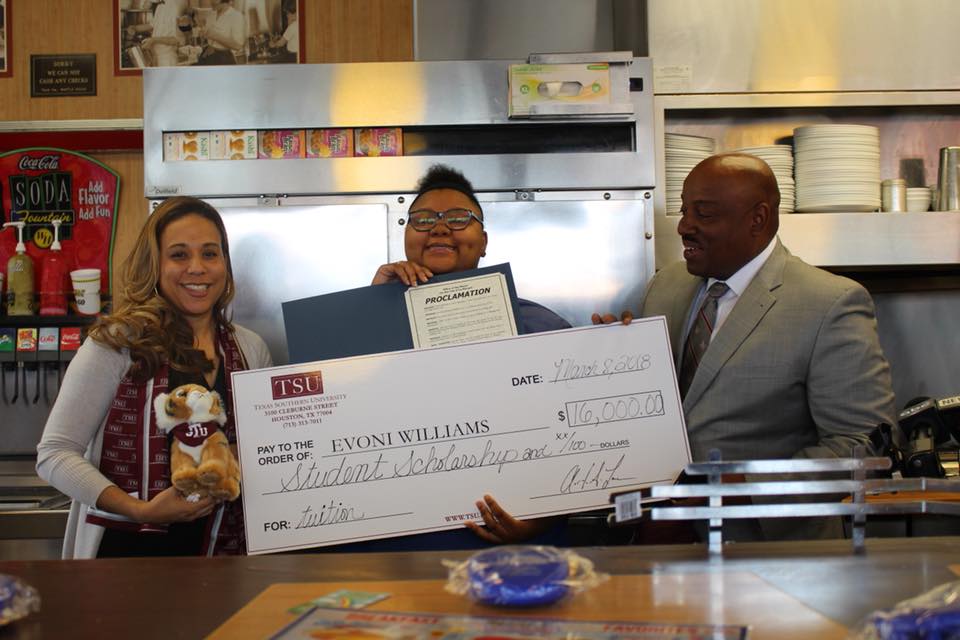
(918, 198)
(837, 168)
(780, 159)
(682, 153)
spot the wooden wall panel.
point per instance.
(66, 26)
(336, 31)
(359, 30)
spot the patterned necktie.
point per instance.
(699, 338)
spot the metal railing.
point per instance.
(630, 505)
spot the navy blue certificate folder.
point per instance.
(362, 321)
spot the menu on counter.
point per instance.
(347, 623)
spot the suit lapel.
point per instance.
(746, 314)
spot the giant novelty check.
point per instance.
(406, 442)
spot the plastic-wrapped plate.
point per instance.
(17, 599)
(518, 576)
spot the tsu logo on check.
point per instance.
(309, 383)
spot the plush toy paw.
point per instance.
(218, 471)
(228, 490)
(185, 480)
(211, 473)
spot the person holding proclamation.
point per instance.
(775, 358)
(445, 234)
(102, 445)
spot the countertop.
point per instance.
(191, 597)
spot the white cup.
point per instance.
(86, 290)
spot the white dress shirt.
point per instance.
(229, 24)
(738, 283)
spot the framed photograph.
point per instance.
(151, 33)
(6, 47)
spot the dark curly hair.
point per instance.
(441, 176)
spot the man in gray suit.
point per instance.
(779, 360)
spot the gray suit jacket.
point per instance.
(796, 370)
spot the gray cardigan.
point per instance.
(68, 455)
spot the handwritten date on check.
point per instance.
(394, 444)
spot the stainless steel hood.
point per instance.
(401, 94)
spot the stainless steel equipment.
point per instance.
(502, 29)
(893, 195)
(948, 191)
(33, 515)
(732, 46)
(567, 198)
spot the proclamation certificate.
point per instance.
(406, 442)
(459, 311)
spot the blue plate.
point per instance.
(517, 576)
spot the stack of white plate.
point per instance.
(683, 153)
(780, 159)
(837, 168)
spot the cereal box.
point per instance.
(281, 143)
(242, 145)
(233, 145)
(195, 145)
(218, 145)
(379, 142)
(172, 147)
(190, 145)
(329, 143)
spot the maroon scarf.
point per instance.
(136, 456)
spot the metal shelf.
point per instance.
(805, 100)
(852, 239)
(824, 239)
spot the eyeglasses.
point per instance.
(455, 219)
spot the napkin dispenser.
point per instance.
(569, 85)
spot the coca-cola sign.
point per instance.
(40, 185)
(70, 338)
(39, 163)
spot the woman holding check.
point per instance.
(103, 445)
(445, 234)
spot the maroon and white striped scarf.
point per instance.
(135, 454)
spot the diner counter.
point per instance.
(816, 588)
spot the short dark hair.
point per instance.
(441, 176)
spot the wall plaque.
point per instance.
(63, 75)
